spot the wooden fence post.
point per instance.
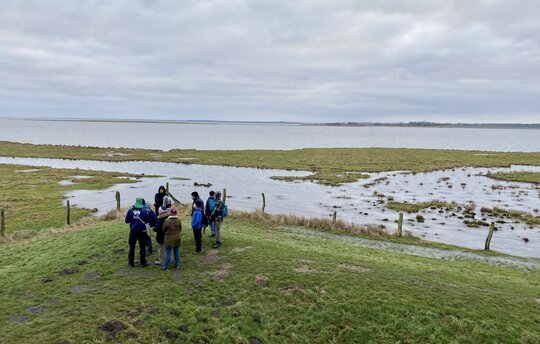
(400, 225)
(264, 202)
(68, 213)
(2, 223)
(334, 217)
(490, 235)
(167, 188)
(118, 200)
(224, 195)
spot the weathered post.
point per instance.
(2, 223)
(334, 217)
(68, 213)
(490, 235)
(118, 200)
(224, 195)
(400, 225)
(167, 188)
(264, 202)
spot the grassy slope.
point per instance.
(32, 200)
(328, 164)
(350, 294)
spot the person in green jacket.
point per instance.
(171, 242)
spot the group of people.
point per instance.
(164, 221)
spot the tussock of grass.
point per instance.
(528, 218)
(416, 207)
(522, 177)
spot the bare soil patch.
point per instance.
(67, 272)
(18, 319)
(112, 328)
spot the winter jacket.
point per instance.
(163, 214)
(171, 229)
(217, 213)
(196, 200)
(158, 198)
(197, 219)
(139, 217)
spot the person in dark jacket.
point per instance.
(197, 224)
(138, 217)
(171, 229)
(217, 218)
(148, 238)
(208, 208)
(158, 198)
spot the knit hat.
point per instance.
(173, 212)
(166, 201)
(195, 194)
(199, 203)
(138, 203)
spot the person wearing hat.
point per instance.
(208, 208)
(171, 230)
(217, 218)
(163, 214)
(138, 217)
(197, 224)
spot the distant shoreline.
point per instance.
(282, 123)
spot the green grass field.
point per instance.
(32, 197)
(262, 286)
(332, 166)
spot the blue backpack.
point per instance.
(211, 204)
(225, 210)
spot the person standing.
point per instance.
(138, 217)
(217, 218)
(148, 238)
(171, 229)
(209, 207)
(163, 214)
(158, 198)
(197, 224)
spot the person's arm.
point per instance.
(152, 218)
(129, 216)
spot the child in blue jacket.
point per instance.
(197, 224)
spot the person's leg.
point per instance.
(198, 240)
(148, 244)
(177, 257)
(167, 258)
(213, 228)
(132, 241)
(141, 238)
(218, 234)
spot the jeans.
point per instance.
(212, 225)
(168, 257)
(197, 234)
(135, 237)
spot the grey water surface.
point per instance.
(167, 136)
(358, 202)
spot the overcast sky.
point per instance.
(309, 60)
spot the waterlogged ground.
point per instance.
(361, 202)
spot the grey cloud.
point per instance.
(272, 60)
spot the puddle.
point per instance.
(353, 202)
